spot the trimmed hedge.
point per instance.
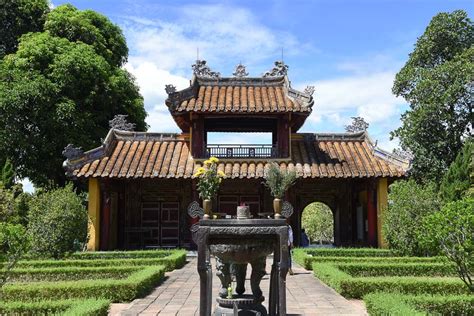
(127, 254)
(349, 252)
(356, 287)
(397, 304)
(173, 260)
(71, 273)
(365, 269)
(137, 284)
(306, 260)
(64, 307)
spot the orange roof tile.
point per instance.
(143, 155)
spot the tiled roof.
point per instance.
(242, 95)
(146, 155)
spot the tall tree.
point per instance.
(19, 17)
(58, 90)
(437, 82)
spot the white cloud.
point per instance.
(152, 81)
(162, 52)
(224, 35)
(365, 90)
(368, 95)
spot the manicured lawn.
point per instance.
(388, 284)
(85, 283)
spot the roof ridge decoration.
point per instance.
(120, 122)
(240, 71)
(202, 70)
(71, 152)
(279, 70)
(170, 89)
(309, 90)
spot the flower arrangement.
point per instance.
(278, 181)
(209, 179)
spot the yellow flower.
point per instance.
(207, 162)
(220, 173)
(214, 159)
(200, 171)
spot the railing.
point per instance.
(241, 151)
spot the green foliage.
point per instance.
(400, 305)
(60, 83)
(91, 28)
(318, 222)
(436, 82)
(7, 205)
(19, 17)
(209, 179)
(64, 307)
(57, 223)
(13, 244)
(349, 252)
(451, 230)
(357, 287)
(136, 285)
(457, 180)
(174, 260)
(372, 269)
(279, 181)
(305, 259)
(389, 304)
(7, 175)
(71, 273)
(409, 203)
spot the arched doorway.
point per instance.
(317, 220)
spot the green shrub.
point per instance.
(451, 230)
(136, 285)
(350, 252)
(398, 304)
(173, 260)
(169, 263)
(305, 257)
(389, 304)
(71, 273)
(63, 307)
(13, 244)
(409, 203)
(57, 223)
(372, 269)
(356, 287)
(457, 180)
(128, 254)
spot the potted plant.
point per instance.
(278, 182)
(208, 183)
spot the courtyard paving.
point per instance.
(179, 295)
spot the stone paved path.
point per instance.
(179, 295)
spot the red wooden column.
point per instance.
(197, 146)
(371, 217)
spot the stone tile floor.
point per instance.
(179, 295)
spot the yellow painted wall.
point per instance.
(94, 215)
(382, 205)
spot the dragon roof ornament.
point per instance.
(240, 71)
(279, 70)
(202, 70)
(309, 90)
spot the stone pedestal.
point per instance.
(239, 243)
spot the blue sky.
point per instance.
(349, 50)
